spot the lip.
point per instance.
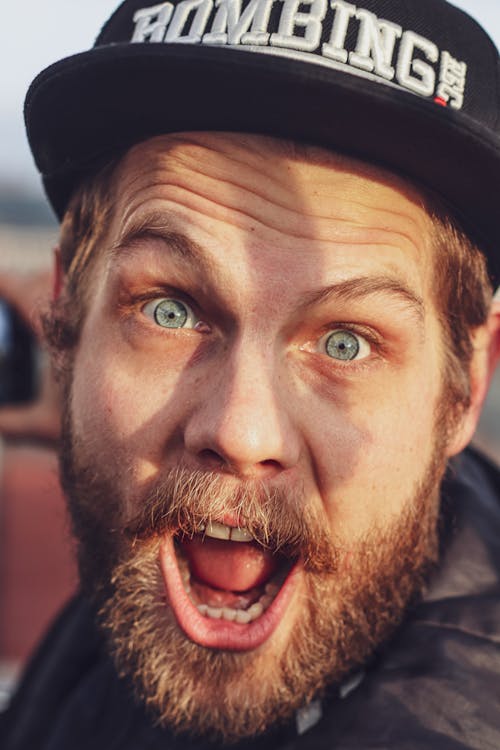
(221, 634)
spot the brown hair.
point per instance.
(83, 231)
(462, 296)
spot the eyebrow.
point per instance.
(154, 227)
(364, 286)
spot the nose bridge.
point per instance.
(252, 380)
(244, 419)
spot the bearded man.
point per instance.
(274, 326)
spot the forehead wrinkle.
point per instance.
(353, 218)
(364, 286)
(186, 151)
(195, 152)
(342, 232)
(279, 159)
(280, 179)
(187, 184)
(188, 176)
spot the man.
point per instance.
(274, 326)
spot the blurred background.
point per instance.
(36, 568)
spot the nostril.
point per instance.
(210, 458)
(271, 464)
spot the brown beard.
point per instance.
(353, 602)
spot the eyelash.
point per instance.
(367, 333)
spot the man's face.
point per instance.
(261, 359)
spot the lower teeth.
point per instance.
(242, 616)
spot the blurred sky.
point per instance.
(34, 34)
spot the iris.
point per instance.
(170, 313)
(342, 345)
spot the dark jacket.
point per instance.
(436, 685)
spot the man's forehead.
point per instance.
(308, 205)
(281, 171)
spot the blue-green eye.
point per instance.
(170, 313)
(345, 345)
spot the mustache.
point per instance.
(282, 520)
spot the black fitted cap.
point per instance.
(410, 85)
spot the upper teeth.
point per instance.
(221, 531)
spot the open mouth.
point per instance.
(226, 590)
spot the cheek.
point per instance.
(371, 452)
(121, 426)
(121, 402)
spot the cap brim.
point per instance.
(91, 105)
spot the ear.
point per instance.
(58, 276)
(485, 357)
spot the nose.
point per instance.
(242, 423)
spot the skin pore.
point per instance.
(261, 316)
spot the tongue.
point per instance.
(232, 566)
